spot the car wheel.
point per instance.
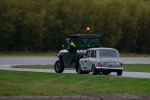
(94, 70)
(106, 72)
(59, 68)
(119, 73)
(79, 70)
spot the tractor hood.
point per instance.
(61, 52)
(80, 52)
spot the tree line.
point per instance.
(43, 25)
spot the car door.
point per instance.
(82, 62)
(91, 60)
(86, 60)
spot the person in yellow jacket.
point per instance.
(71, 46)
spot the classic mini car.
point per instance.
(105, 60)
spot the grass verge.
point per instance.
(137, 67)
(40, 67)
(36, 66)
(31, 83)
(127, 67)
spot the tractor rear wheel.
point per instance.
(79, 70)
(86, 72)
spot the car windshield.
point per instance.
(88, 42)
(108, 53)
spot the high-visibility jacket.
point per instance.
(71, 47)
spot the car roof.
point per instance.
(102, 48)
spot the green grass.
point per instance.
(34, 83)
(36, 66)
(137, 67)
(127, 67)
(39, 67)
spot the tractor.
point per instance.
(83, 42)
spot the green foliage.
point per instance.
(43, 25)
(27, 54)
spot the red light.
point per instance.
(121, 63)
(98, 63)
(88, 29)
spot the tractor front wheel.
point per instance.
(59, 68)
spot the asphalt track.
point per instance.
(51, 60)
(7, 63)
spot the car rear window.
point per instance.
(108, 53)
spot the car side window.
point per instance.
(88, 53)
(93, 54)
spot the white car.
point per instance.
(105, 60)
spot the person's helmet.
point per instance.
(68, 40)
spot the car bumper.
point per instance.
(109, 69)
